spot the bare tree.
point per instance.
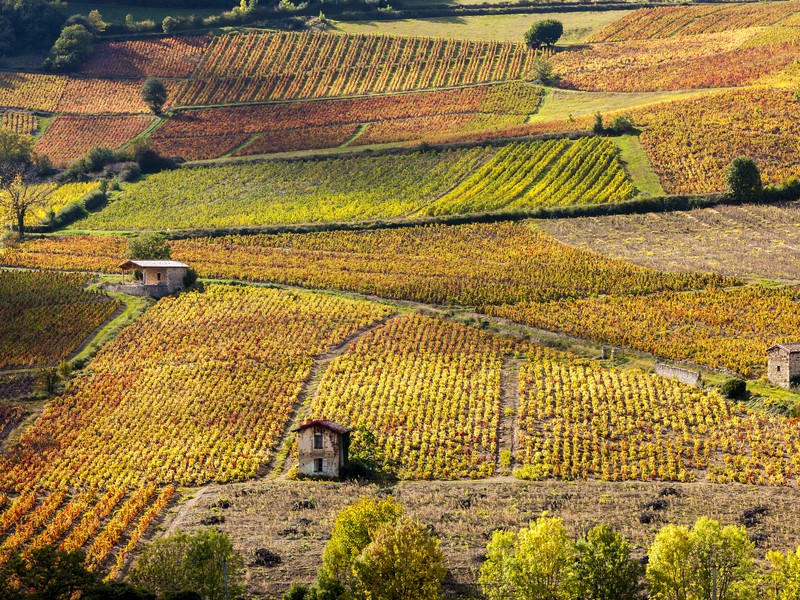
(22, 188)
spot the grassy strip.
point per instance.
(637, 165)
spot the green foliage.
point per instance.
(48, 574)
(154, 92)
(682, 563)
(604, 568)
(15, 148)
(734, 388)
(622, 124)
(402, 561)
(542, 71)
(149, 246)
(72, 48)
(353, 530)
(47, 381)
(544, 33)
(743, 180)
(782, 580)
(27, 25)
(174, 564)
(598, 128)
(169, 25)
(535, 564)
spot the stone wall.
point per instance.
(783, 368)
(686, 376)
(331, 452)
(151, 291)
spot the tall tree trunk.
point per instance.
(21, 226)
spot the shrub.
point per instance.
(72, 48)
(154, 93)
(170, 24)
(544, 33)
(744, 180)
(734, 388)
(622, 124)
(598, 128)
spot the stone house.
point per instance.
(322, 448)
(783, 364)
(159, 277)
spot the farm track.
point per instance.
(276, 466)
(508, 432)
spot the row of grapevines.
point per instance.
(526, 175)
(198, 389)
(579, 420)
(23, 123)
(428, 389)
(44, 316)
(730, 328)
(280, 66)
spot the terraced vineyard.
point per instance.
(501, 263)
(45, 316)
(282, 66)
(209, 133)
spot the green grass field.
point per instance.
(577, 26)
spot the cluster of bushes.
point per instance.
(121, 166)
(27, 25)
(620, 125)
(75, 44)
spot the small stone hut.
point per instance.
(783, 364)
(159, 277)
(322, 448)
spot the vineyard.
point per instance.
(282, 66)
(428, 389)
(58, 199)
(750, 240)
(23, 123)
(171, 57)
(691, 142)
(501, 263)
(526, 175)
(45, 316)
(730, 328)
(69, 138)
(578, 421)
(518, 176)
(31, 91)
(209, 133)
(665, 22)
(289, 192)
(98, 96)
(711, 60)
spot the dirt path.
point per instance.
(507, 430)
(277, 465)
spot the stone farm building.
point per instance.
(159, 277)
(322, 448)
(783, 364)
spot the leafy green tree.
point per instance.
(149, 246)
(535, 564)
(782, 580)
(544, 33)
(353, 530)
(542, 70)
(72, 48)
(402, 561)
(744, 180)
(154, 94)
(15, 148)
(669, 571)
(181, 564)
(160, 568)
(684, 564)
(50, 574)
(604, 569)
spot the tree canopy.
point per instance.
(544, 33)
(744, 180)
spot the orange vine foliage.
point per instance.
(69, 138)
(198, 389)
(720, 328)
(476, 264)
(96, 96)
(161, 57)
(31, 91)
(281, 66)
